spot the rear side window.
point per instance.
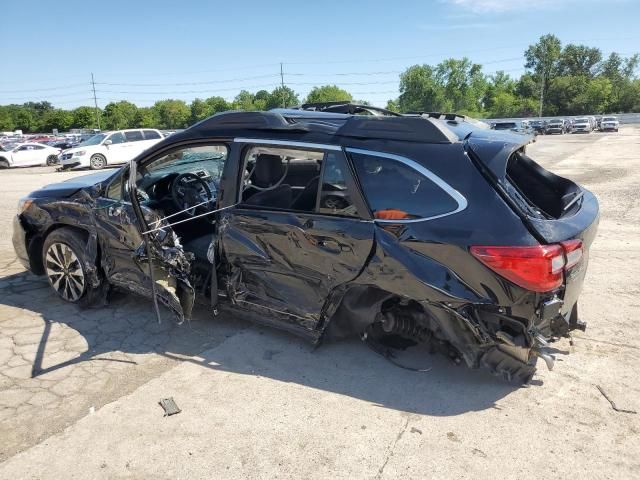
(134, 136)
(151, 135)
(400, 189)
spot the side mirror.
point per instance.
(107, 142)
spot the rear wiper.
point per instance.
(573, 200)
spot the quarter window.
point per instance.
(335, 197)
(134, 136)
(395, 190)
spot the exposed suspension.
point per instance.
(401, 323)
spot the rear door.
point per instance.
(285, 262)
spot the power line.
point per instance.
(209, 82)
(63, 87)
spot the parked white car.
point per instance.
(609, 123)
(110, 148)
(582, 125)
(27, 155)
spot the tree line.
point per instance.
(564, 80)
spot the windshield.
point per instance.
(555, 120)
(581, 120)
(95, 140)
(609, 119)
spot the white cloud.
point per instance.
(501, 6)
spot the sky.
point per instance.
(143, 51)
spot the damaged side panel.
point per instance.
(407, 291)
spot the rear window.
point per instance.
(134, 136)
(151, 135)
(400, 189)
(538, 192)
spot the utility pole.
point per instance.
(95, 100)
(284, 97)
(541, 94)
(544, 60)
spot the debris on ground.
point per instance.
(170, 407)
(613, 405)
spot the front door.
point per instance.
(118, 149)
(25, 155)
(299, 232)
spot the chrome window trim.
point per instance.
(315, 146)
(452, 192)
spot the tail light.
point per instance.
(538, 268)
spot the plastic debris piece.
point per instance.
(170, 407)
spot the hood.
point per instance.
(71, 186)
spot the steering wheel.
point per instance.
(188, 190)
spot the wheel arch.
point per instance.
(35, 242)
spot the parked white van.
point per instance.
(110, 148)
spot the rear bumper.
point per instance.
(19, 239)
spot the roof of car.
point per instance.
(401, 128)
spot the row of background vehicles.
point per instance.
(586, 124)
(97, 150)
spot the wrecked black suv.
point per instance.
(417, 228)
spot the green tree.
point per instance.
(579, 60)
(172, 113)
(6, 120)
(420, 91)
(218, 104)
(543, 60)
(393, 105)
(464, 85)
(147, 117)
(282, 97)
(56, 119)
(85, 117)
(594, 98)
(244, 101)
(328, 93)
(120, 115)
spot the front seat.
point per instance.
(267, 172)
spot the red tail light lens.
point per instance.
(538, 268)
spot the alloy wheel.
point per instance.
(64, 272)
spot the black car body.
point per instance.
(436, 231)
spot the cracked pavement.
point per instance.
(79, 389)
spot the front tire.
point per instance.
(97, 162)
(52, 160)
(4, 163)
(65, 264)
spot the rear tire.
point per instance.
(97, 162)
(52, 160)
(65, 265)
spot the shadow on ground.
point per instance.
(349, 368)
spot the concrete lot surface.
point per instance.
(79, 389)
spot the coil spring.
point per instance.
(404, 325)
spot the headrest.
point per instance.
(269, 169)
